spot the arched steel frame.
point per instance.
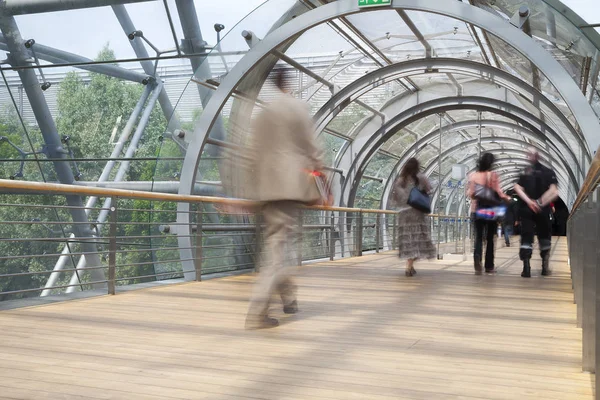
(415, 147)
(414, 150)
(380, 76)
(501, 125)
(430, 168)
(370, 81)
(375, 141)
(548, 66)
(374, 79)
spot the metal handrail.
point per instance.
(62, 189)
(360, 238)
(590, 183)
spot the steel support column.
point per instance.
(410, 24)
(200, 189)
(478, 134)
(56, 56)
(123, 168)
(140, 51)
(91, 202)
(18, 56)
(194, 43)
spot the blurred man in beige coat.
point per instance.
(283, 153)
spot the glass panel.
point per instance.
(447, 36)
(553, 31)
(386, 30)
(346, 121)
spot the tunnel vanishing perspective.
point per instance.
(122, 165)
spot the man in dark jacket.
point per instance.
(537, 187)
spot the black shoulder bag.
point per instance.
(419, 200)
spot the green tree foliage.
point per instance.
(89, 111)
(12, 132)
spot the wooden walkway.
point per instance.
(365, 331)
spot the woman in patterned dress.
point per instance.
(414, 236)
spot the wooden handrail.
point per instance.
(62, 189)
(591, 182)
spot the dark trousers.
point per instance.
(530, 224)
(489, 229)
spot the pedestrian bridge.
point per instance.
(123, 163)
(365, 331)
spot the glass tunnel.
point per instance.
(158, 108)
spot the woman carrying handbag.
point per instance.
(411, 191)
(486, 194)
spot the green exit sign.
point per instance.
(374, 3)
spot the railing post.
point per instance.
(590, 263)
(455, 230)
(343, 224)
(199, 250)
(358, 237)
(332, 238)
(439, 235)
(466, 224)
(377, 232)
(300, 237)
(596, 337)
(112, 247)
(577, 262)
(395, 231)
(446, 238)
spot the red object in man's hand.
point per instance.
(324, 188)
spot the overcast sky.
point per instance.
(85, 31)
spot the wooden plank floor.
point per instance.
(365, 331)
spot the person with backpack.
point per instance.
(485, 192)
